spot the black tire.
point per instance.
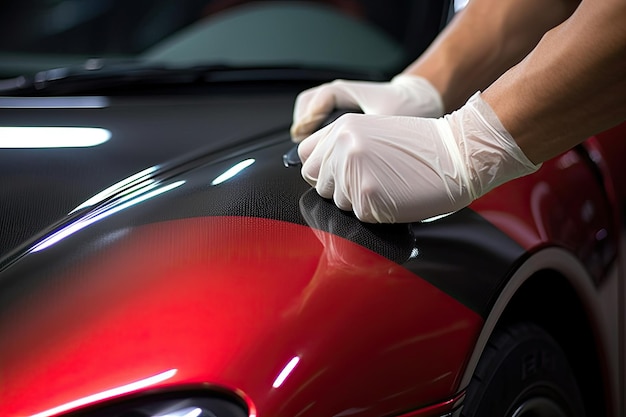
(523, 372)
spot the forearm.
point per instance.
(483, 41)
(571, 86)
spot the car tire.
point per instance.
(523, 372)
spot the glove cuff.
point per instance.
(490, 120)
(490, 152)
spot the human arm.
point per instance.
(483, 41)
(571, 86)
(480, 43)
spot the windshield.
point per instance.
(362, 36)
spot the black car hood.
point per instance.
(239, 212)
(195, 136)
(40, 186)
(197, 146)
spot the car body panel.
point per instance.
(274, 272)
(563, 225)
(182, 257)
(42, 185)
(240, 258)
(192, 226)
(251, 295)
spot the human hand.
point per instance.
(404, 95)
(390, 169)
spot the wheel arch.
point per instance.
(555, 275)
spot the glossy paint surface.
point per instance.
(564, 204)
(221, 268)
(231, 301)
(41, 185)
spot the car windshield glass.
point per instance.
(363, 36)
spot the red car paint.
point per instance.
(230, 301)
(543, 209)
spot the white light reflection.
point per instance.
(286, 371)
(441, 216)
(90, 102)
(231, 172)
(104, 194)
(460, 5)
(124, 389)
(186, 412)
(52, 137)
(128, 201)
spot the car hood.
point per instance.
(42, 184)
(220, 267)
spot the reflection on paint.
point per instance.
(124, 203)
(232, 171)
(124, 389)
(91, 102)
(23, 137)
(286, 371)
(186, 412)
(434, 218)
(130, 183)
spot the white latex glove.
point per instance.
(404, 95)
(391, 169)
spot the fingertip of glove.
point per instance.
(302, 129)
(366, 218)
(295, 136)
(308, 178)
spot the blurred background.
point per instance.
(41, 34)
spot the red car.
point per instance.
(161, 255)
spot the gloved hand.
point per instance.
(391, 169)
(404, 95)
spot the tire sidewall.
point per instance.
(522, 363)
